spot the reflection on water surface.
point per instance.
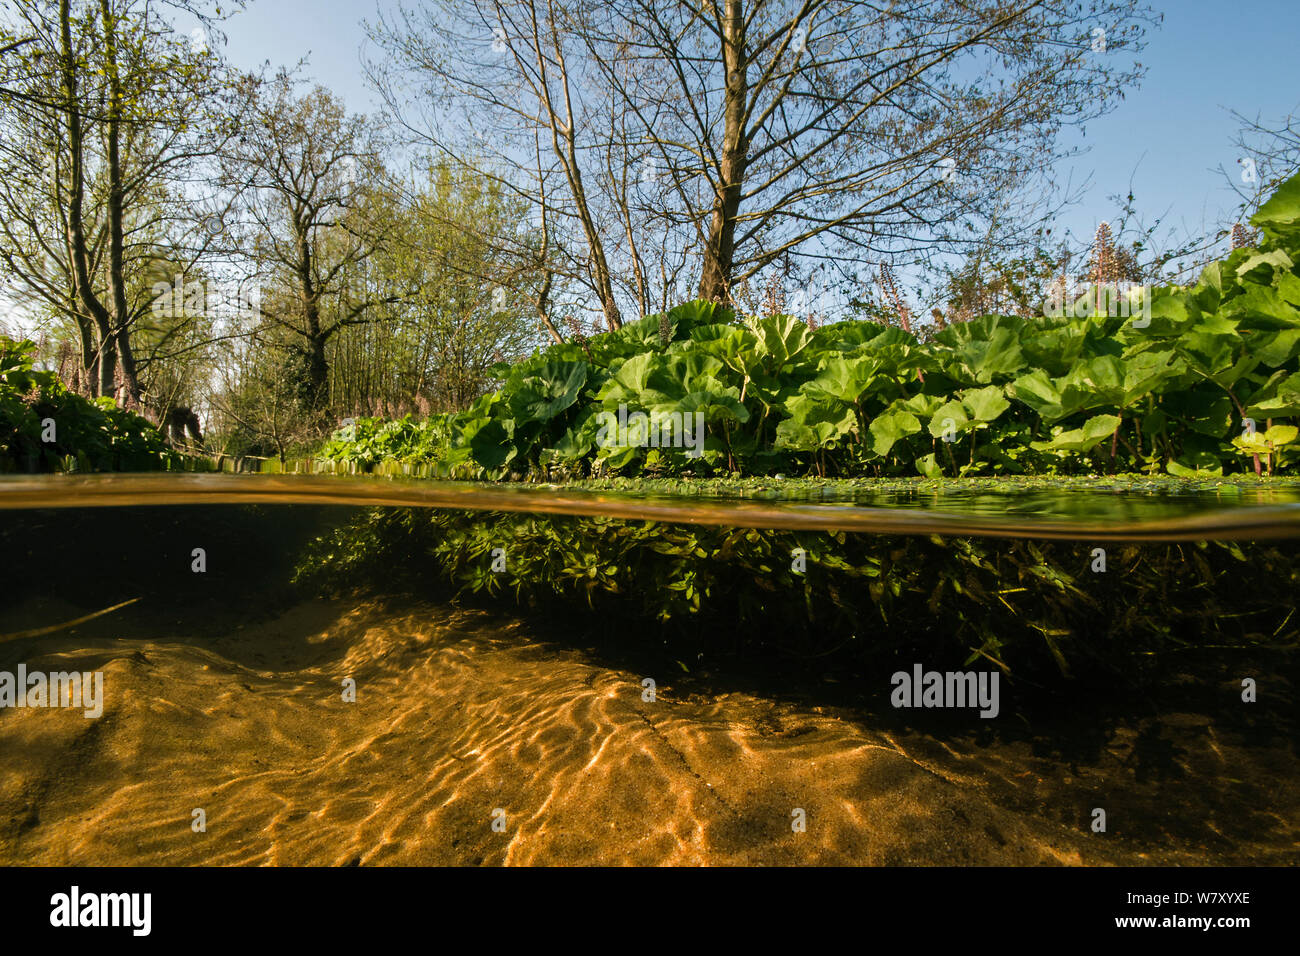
(1102, 514)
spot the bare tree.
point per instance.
(306, 172)
(1268, 154)
(501, 87)
(732, 135)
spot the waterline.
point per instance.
(1234, 523)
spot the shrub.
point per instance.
(46, 428)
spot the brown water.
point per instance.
(460, 714)
(230, 700)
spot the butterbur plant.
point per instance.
(1088, 388)
(1266, 445)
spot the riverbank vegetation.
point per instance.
(44, 427)
(1188, 381)
(249, 265)
(276, 277)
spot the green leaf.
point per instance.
(983, 349)
(781, 338)
(550, 390)
(1281, 213)
(951, 418)
(890, 428)
(1280, 435)
(1051, 399)
(928, 467)
(1279, 398)
(1094, 431)
(491, 445)
(1195, 464)
(985, 404)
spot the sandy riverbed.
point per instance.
(459, 715)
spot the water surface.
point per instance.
(1100, 515)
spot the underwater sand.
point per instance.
(460, 713)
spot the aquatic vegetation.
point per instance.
(44, 427)
(1023, 605)
(1224, 489)
(1189, 381)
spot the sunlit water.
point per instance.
(483, 736)
(1251, 513)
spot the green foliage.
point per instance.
(87, 435)
(1166, 389)
(1028, 606)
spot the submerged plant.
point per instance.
(1022, 606)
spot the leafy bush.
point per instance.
(1081, 392)
(44, 427)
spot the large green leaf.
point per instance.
(629, 379)
(549, 391)
(491, 445)
(891, 427)
(717, 405)
(950, 420)
(846, 379)
(1275, 349)
(685, 319)
(1279, 398)
(781, 338)
(983, 350)
(849, 336)
(1281, 213)
(683, 372)
(1051, 399)
(985, 404)
(1094, 431)
(1260, 307)
(813, 424)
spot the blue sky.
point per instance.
(1208, 58)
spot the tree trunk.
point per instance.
(121, 331)
(715, 282)
(126, 363)
(107, 362)
(76, 229)
(568, 153)
(543, 301)
(318, 374)
(86, 329)
(316, 392)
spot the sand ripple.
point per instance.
(458, 718)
